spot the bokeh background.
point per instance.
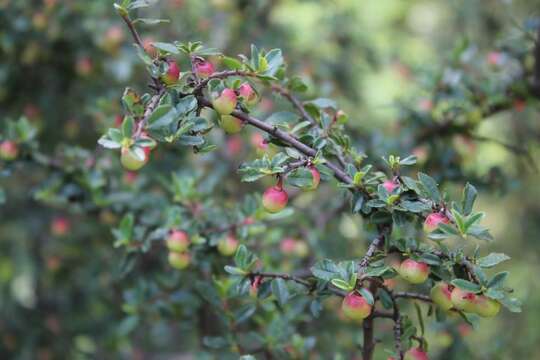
(65, 63)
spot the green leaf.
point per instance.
(189, 140)
(512, 304)
(492, 259)
(234, 270)
(283, 119)
(274, 60)
(468, 198)
(367, 295)
(341, 284)
(141, 4)
(430, 187)
(460, 221)
(325, 270)
(466, 285)
(186, 105)
(324, 103)
(409, 160)
(280, 291)
(150, 21)
(498, 280)
(166, 47)
(127, 127)
(473, 219)
(109, 144)
(162, 117)
(480, 232)
(300, 177)
(232, 63)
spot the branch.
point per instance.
(375, 245)
(138, 41)
(295, 102)
(296, 279)
(410, 295)
(289, 139)
(221, 75)
(152, 105)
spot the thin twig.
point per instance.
(295, 102)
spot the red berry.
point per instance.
(60, 226)
(486, 307)
(178, 260)
(228, 245)
(133, 159)
(8, 150)
(231, 124)
(414, 272)
(355, 306)
(225, 103)
(463, 300)
(275, 199)
(390, 185)
(248, 94)
(178, 241)
(172, 74)
(433, 220)
(204, 69)
(416, 354)
(441, 294)
(316, 177)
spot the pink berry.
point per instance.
(416, 354)
(248, 94)
(204, 69)
(275, 199)
(433, 220)
(415, 272)
(173, 73)
(390, 185)
(355, 306)
(225, 103)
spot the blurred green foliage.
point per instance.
(68, 294)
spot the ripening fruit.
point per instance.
(301, 249)
(8, 150)
(442, 296)
(316, 177)
(172, 74)
(254, 287)
(390, 185)
(414, 272)
(415, 354)
(355, 306)
(60, 226)
(133, 159)
(275, 199)
(287, 246)
(228, 245)
(463, 300)
(433, 220)
(225, 103)
(178, 241)
(290, 246)
(486, 307)
(231, 124)
(204, 69)
(178, 260)
(248, 94)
